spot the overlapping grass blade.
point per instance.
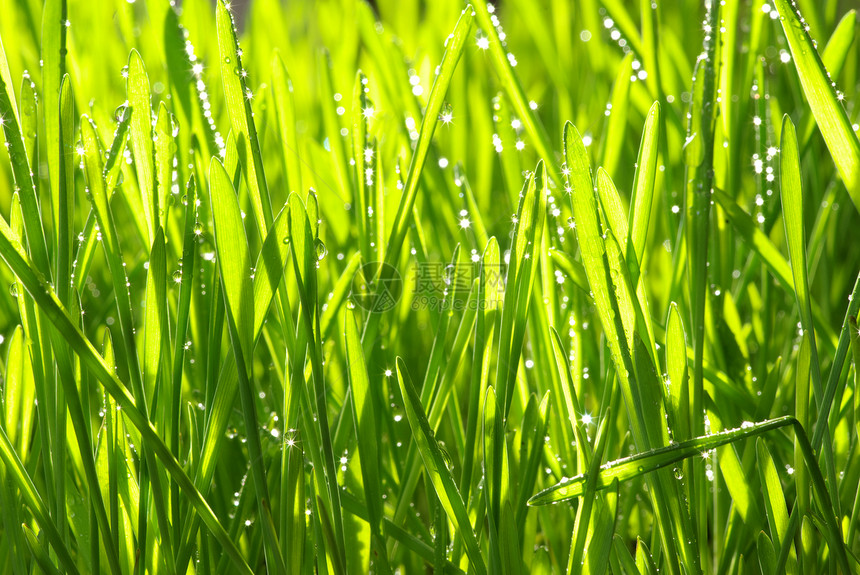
(234, 258)
(496, 476)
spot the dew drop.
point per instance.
(321, 250)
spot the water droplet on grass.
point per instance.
(321, 249)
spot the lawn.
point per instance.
(400, 287)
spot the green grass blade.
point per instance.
(304, 247)
(593, 253)
(137, 88)
(269, 271)
(21, 172)
(363, 163)
(777, 513)
(599, 541)
(833, 57)
(192, 231)
(510, 81)
(522, 270)
(639, 464)
(282, 91)
(437, 468)
(30, 121)
(801, 412)
(13, 384)
(64, 203)
(496, 475)
(766, 554)
(792, 207)
(644, 559)
(644, 182)
(7, 86)
(484, 328)
(238, 97)
(234, 257)
(164, 147)
(57, 136)
(365, 418)
(455, 45)
(676, 369)
(11, 408)
(616, 126)
(155, 318)
(823, 100)
(530, 469)
(774, 500)
(795, 232)
(743, 494)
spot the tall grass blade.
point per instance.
(826, 105)
(437, 468)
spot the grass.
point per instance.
(407, 287)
